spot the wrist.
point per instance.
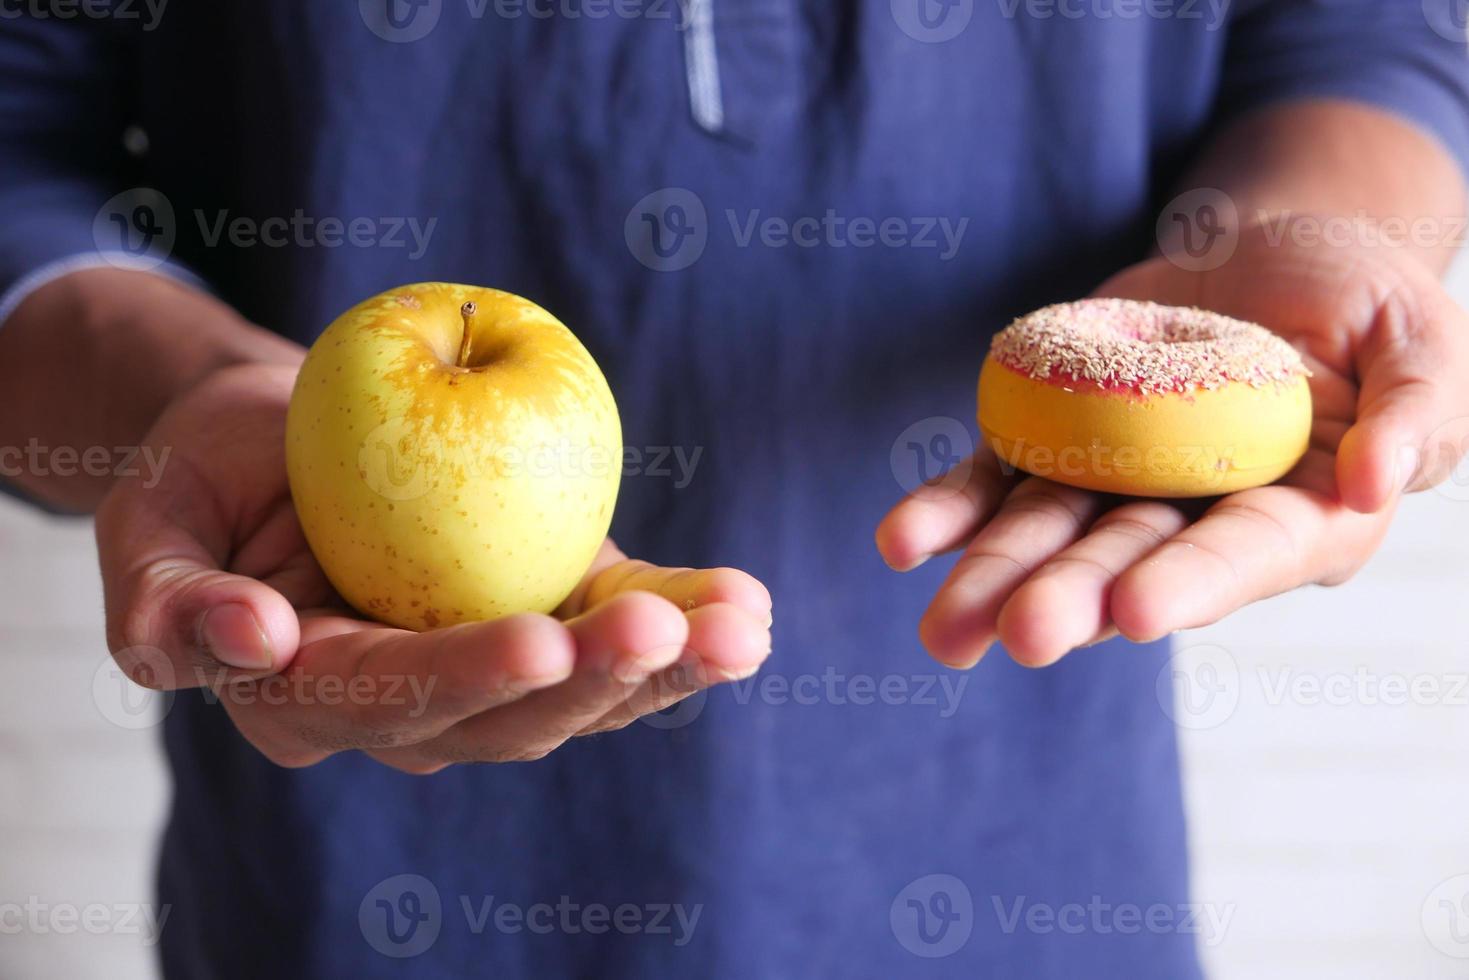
(185, 331)
(1331, 173)
(92, 358)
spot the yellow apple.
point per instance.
(454, 454)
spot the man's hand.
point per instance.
(1048, 568)
(209, 582)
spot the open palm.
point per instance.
(209, 582)
(1047, 568)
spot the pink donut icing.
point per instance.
(1141, 347)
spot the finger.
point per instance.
(1064, 605)
(575, 603)
(1412, 363)
(661, 691)
(686, 588)
(1039, 519)
(725, 643)
(298, 576)
(730, 643)
(619, 645)
(1334, 395)
(939, 517)
(1248, 546)
(172, 612)
(357, 685)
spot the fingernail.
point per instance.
(1407, 466)
(232, 635)
(744, 673)
(638, 667)
(528, 685)
(910, 566)
(971, 663)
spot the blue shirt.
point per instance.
(786, 230)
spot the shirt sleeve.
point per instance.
(69, 183)
(1409, 57)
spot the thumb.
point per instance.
(1412, 363)
(175, 619)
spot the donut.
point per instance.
(1138, 398)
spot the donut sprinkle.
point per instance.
(1144, 347)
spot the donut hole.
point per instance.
(1147, 324)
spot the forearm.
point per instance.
(89, 361)
(1322, 159)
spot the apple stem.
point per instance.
(467, 312)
